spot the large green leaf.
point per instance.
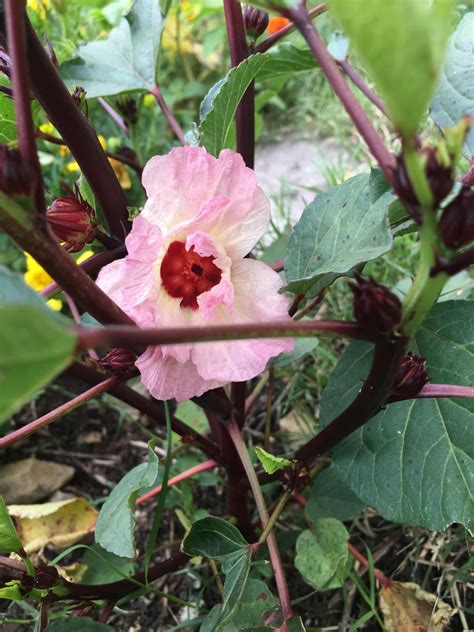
(455, 95)
(7, 116)
(213, 537)
(322, 554)
(9, 540)
(286, 60)
(77, 624)
(331, 498)
(115, 525)
(126, 60)
(338, 230)
(401, 42)
(414, 462)
(219, 105)
(35, 345)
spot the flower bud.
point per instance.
(128, 109)
(411, 378)
(72, 221)
(16, 175)
(376, 308)
(51, 53)
(404, 189)
(457, 221)
(119, 361)
(256, 21)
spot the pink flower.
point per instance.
(185, 267)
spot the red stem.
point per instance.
(354, 109)
(276, 37)
(15, 26)
(57, 413)
(363, 87)
(441, 390)
(197, 469)
(115, 116)
(460, 262)
(173, 123)
(89, 338)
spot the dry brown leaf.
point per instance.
(30, 480)
(407, 607)
(60, 524)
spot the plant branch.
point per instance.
(363, 87)
(114, 115)
(276, 37)
(460, 262)
(81, 139)
(438, 390)
(354, 109)
(58, 412)
(173, 123)
(15, 26)
(89, 338)
(280, 579)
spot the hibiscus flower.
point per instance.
(185, 267)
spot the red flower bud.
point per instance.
(16, 175)
(128, 109)
(411, 378)
(119, 361)
(376, 308)
(457, 221)
(256, 21)
(72, 221)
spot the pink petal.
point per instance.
(110, 281)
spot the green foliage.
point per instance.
(115, 524)
(302, 347)
(454, 97)
(9, 540)
(286, 60)
(322, 555)
(344, 227)
(271, 463)
(402, 45)
(331, 498)
(77, 624)
(126, 60)
(104, 567)
(7, 116)
(35, 345)
(413, 462)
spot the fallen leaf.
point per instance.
(296, 427)
(30, 480)
(60, 524)
(407, 607)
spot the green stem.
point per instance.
(274, 517)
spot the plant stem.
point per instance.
(173, 123)
(280, 579)
(363, 87)
(439, 390)
(57, 413)
(460, 262)
(276, 37)
(81, 139)
(15, 26)
(275, 515)
(58, 264)
(114, 115)
(268, 411)
(237, 400)
(192, 471)
(134, 336)
(354, 109)
(150, 407)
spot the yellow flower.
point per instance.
(47, 128)
(102, 141)
(39, 6)
(85, 255)
(63, 150)
(148, 100)
(72, 166)
(38, 279)
(121, 173)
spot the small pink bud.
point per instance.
(256, 21)
(72, 221)
(119, 361)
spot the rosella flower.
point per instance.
(276, 24)
(71, 219)
(186, 267)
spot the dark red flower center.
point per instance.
(185, 274)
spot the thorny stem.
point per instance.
(15, 26)
(354, 109)
(81, 139)
(134, 336)
(57, 413)
(172, 122)
(273, 550)
(276, 37)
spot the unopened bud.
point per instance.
(72, 221)
(457, 221)
(128, 109)
(16, 175)
(256, 21)
(79, 98)
(119, 361)
(411, 378)
(51, 53)
(376, 308)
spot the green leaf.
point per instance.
(338, 230)
(322, 554)
(455, 94)
(236, 568)
(302, 347)
(413, 462)
(115, 525)
(402, 45)
(220, 103)
(12, 590)
(213, 537)
(7, 116)
(9, 540)
(35, 344)
(126, 60)
(285, 60)
(295, 624)
(271, 463)
(77, 624)
(104, 567)
(255, 604)
(331, 498)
